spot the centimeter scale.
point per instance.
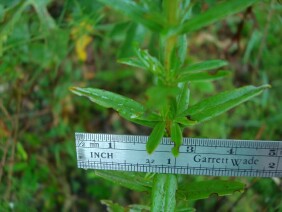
(197, 156)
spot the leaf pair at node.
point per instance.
(163, 187)
(184, 116)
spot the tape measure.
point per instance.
(197, 156)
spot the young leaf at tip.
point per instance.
(151, 63)
(155, 137)
(144, 61)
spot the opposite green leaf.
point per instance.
(163, 193)
(129, 180)
(206, 189)
(182, 48)
(220, 103)
(203, 76)
(127, 108)
(155, 137)
(176, 137)
(212, 15)
(183, 98)
(203, 66)
(108, 99)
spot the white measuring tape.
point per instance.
(197, 156)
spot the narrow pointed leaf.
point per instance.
(206, 189)
(151, 63)
(155, 137)
(203, 76)
(204, 66)
(179, 53)
(183, 98)
(129, 180)
(182, 48)
(163, 193)
(135, 62)
(151, 20)
(109, 99)
(220, 103)
(145, 61)
(176, 137)
(213, 15)
(126, 107)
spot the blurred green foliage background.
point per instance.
(47, 46)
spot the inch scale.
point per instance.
(197, 156)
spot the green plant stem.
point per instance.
(163, 193)
(171, 10)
